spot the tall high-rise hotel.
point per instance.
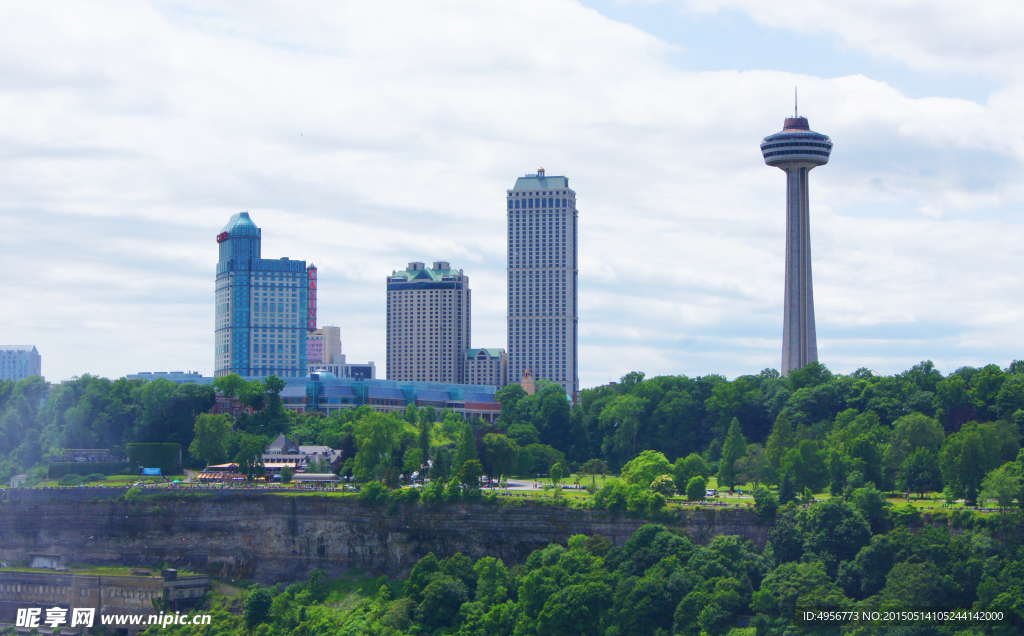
(542, 285)
(429, 323)
(264, 306)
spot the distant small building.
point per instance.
(48, 561)
(285, 452)
(343, 369)
(315, 477)
(487, 366)
(220, 473)
(327, 393)
(230, 406)
(177, 377)
(18, 480)
(527, 382)
(107, 594)
(18, 362)
(90, 455)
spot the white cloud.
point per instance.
(939, 36)
(362, 136)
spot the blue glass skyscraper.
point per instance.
(262, 307)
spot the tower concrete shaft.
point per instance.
(796, 151)
(799, 340)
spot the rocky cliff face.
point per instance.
(272, 538)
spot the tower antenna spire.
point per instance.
(796, 111)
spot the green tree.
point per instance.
(787, 488)
(492, 581)
(964, 461)
(509, 397)
(257, 607)
(835, 527)
(467, 445)
(622, 415)
(469, 475)
(734, 448)
(765, 503)
(253, 394)
(555, 472)
(696, 489)
(378, 438)
(663, 485)
(920, 472)
(250, 456)
(500, 454)
(228, 385)
(910, 433)
(686, 468)
(594, 467)
(645, 468)
(411, 415)
(781, 440)
(811, 375)
(287, 472)
(872, 505)
(424, 435)
(442, 599)
(807, 465)
(412, 460)
(754, 467)
(210, 443)
(1002, 485)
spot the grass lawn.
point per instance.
(92, 570)
(111, 480)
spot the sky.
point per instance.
(361, 136)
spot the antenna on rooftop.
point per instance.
(796, 111)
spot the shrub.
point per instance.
(962, 518)
(70, 480)
(765, 503)
(905, 515)
(404, 495)
(373, 494)
(696, 488)
(56, 470)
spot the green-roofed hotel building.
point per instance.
(487, 366)
(263, 307)
(542, 280)
(429, 322)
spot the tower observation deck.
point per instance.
(797, 150)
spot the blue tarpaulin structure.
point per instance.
(150, 471)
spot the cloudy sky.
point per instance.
(364, 135)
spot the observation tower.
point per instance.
(796, 150)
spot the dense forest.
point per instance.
(854, 437)
(816, 431)
(661, 582)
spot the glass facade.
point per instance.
(261, 307)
